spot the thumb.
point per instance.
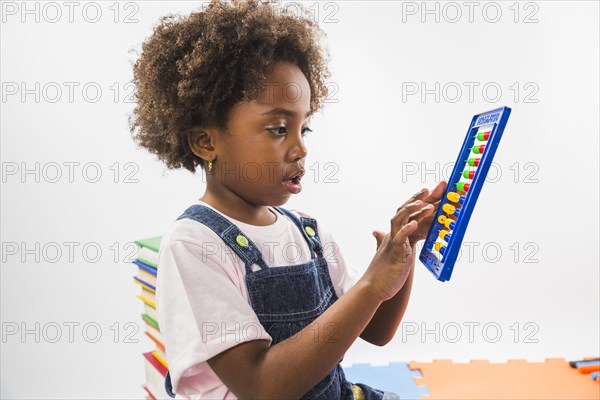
(379, 237)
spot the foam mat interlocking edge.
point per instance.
(394, 377)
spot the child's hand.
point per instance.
(425, 216)
(394, 257)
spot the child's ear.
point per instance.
(201, 142)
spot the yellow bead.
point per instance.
(448, 208)
(310, 231)
(453, 197)
(438, 246)
(443, 234)
(241, 240)
(447, 223)
(442, 219)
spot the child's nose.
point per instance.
(298, 149)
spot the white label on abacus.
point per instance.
(487, 119)
(485, 128)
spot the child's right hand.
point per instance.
(394, 258)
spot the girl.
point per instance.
(231, 89)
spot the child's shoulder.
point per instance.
(300, 213)
(310, 215)
(186, 230)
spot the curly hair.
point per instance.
(194, 69)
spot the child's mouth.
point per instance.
(293, 184)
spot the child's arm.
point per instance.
(382, 327)
(290, 368)
(384, 324)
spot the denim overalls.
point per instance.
(285, 298)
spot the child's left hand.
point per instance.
(424, 217)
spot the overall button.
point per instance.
(241, 240)
(310, 231)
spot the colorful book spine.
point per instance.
(155, 363)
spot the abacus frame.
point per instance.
(441, 266)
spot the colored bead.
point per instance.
(438, 246)
(474, 162)
(463, 186)
(449, 223)
(241, 240)
(443, 234)
(457, 212)
(461, 201)
(453, 197)
(448, 208)
(310, 231)
(468, 174)
(479, 149)
(483, 136)
(442, 219)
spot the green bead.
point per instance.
(241, 240)
(460, 186)
(472, 162)
(466, 174)
(310, 231)
(480, 136)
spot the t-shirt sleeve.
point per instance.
(201, 308)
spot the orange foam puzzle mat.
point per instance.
(515, 379)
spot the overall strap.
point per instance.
(229, 232)
(308, 227)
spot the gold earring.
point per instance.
(210, 165)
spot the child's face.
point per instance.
(265, 148)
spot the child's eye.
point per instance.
(282, 130)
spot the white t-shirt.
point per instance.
(202, 300)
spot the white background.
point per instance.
(539, 209)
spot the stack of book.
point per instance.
(155, 360)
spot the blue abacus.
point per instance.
(452, 217)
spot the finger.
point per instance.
(404, 233)
(379, 236)
(421, 195)
(437, 192)
(430, 208)
(401, 217)
(422, 213)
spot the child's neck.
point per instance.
(241, 210)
